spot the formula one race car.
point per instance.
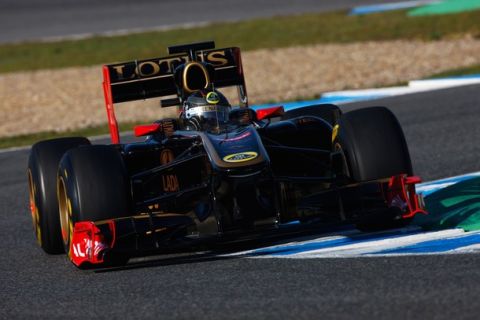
(217, 171)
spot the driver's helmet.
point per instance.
(205, 110)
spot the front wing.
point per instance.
(95, 243)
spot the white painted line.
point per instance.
(428, 189)
(384, 92)
(372, 245)
(435, 84)
(432, 186)
(468, 249)
(415, 86)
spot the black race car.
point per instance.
(217, 171)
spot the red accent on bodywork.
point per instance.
(112, 120)
(240, 137)
(146, 129)
(271, 112)
(88, 244)
(401, 194)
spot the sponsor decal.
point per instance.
(170, 183)
(165, 66)
(200, 110)
(212, 97)
(305, 120)
(88, 248)
(218, 58)
(153, 206)
(166, 156)
(241, 156)
(168, 127)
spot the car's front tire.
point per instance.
(374, 147)
(93, 185)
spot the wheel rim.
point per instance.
(64, 208)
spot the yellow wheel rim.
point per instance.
(64, 210)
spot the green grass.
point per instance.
(336, 27)
(457, 72)
(29, 139)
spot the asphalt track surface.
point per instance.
(22, 20)
(442, 131)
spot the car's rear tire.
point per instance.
(93, 185)
(374, 147)
(42, 184)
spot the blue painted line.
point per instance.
(386, 7)
(290, 105)
(435, 246)
(467, 76)
(330, 99)
(305, 247)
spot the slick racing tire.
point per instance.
(42, 184)
(92, 185)
(374, 147)
(328, 112)
(373, 143)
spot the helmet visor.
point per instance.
(210, 116)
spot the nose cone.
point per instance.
(241, 147)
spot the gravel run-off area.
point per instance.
(58, 100)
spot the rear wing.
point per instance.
(152, 78)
